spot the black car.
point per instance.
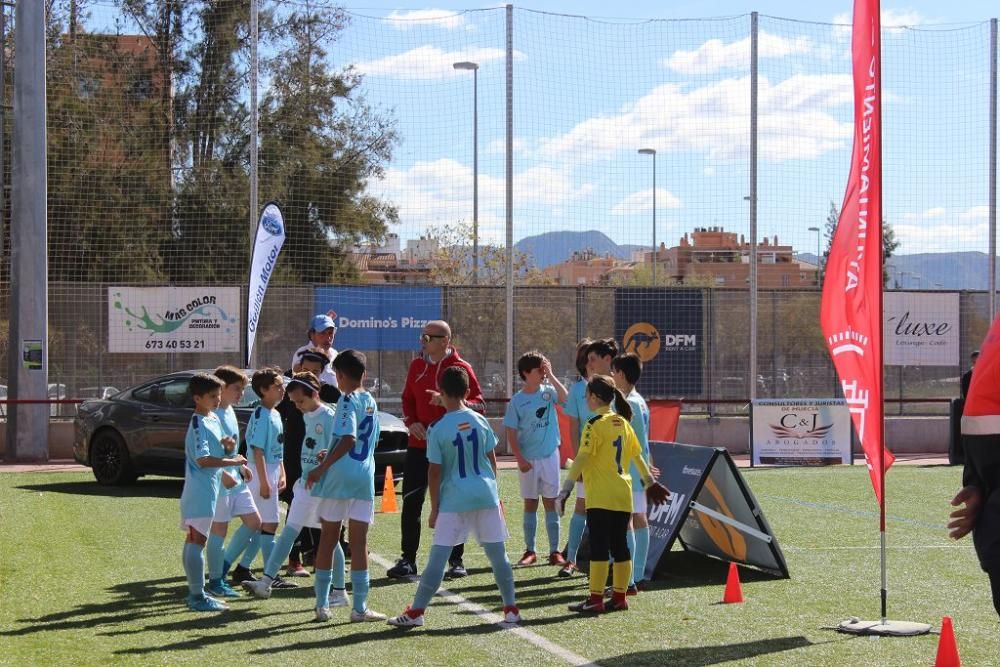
(141, 430)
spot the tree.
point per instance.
(452, 261)
(889, 242)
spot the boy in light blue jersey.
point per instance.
(265, 449)
(233, 502)
(626, 369)
(345, 484)
(461, 478)
(204, 453)
(319, 427)
(532, 426)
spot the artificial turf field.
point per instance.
(91, 575)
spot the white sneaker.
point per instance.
(339, 598)
(404, 620)
(260, 589)
(322, 613)
(511, 615)
(367, 616)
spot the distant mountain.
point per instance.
(934, 270)
(554, 247)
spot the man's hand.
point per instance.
(321, 455)
(229, 444)
(546, 368)
(282, 483)
(418, 431)
(265, 489)
(433, 519)
(964, 520)
(312, 478)
(238, 460)
(435, 397)
(657, 494)
(246, 472)
(524, 465)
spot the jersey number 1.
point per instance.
(460, 443)
(618, 453)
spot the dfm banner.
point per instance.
(173, 319)
(802, 431)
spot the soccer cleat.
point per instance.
(529, 558)
(259, 589)
(339, 598)
(511, 614)
(219, 588)
(402, 569)
(631, 591)
(282, 583)
(322, 614)
(556, 558)
(616, 605)
(641, 585)
(411, 618)
(588, 606)
(457, 570)
(241, 574)
(367, 616)
(295, 569)
(205, 603)
(567, 570)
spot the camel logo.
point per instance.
(643, 340)
(847, 341)
(726, 537)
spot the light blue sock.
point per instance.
(282, 547)
(576, 527)
(213, 554)
(552, 528)
(501, 571)
(237, 545)
(359, 589)
(640, 554)
(253, 548)
(194, 568)
(338, 567)
(267, 546)
(530, 528)
(430, 580)
(630, 540)
(322, 585)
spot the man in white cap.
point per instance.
(321, 334)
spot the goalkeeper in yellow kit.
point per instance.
(608, 446)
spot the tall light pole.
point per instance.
(652, 151)
(819, 276)
(466, 65)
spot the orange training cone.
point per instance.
(734, 591)
(389, 493)
(947, 653)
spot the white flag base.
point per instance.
(855, 626)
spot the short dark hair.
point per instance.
(630, 365)
(529, 361)
(454, 382)
(305, 382)
(263, 379)
(203, 383)
(230, 375)
(351, 363)
(315, 355)
(581, 356)
(606, 347)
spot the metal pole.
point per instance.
(28, 425)
(753, 206)
(3, 124)
(509, 197)
(254, 205)
(475, 176)
(654, 219)
(993, 169)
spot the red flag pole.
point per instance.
(877, 37)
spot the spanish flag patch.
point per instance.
(464, 426)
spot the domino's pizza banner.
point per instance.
(378, 317)
(665, 327)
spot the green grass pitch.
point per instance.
(90, 575)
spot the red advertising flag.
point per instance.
(851, 311)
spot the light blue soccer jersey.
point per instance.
(537, 423)
(640, 424)
(576, 404)
(319, 425)
(201, 485)
(353, 474)
(459, 442)
(265, 436)
(231, 428)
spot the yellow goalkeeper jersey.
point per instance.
(608, 446)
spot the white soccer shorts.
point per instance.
(639, 502)
(347, 509)
(203, 524)
(579, 490)
(234, 505)
(305, 507)
(542, 479)
(268, 507)
(453, 528)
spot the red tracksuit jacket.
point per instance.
(423, 375)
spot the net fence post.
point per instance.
(993, 170)
(753, 206)
(254, 29)
(509, 205)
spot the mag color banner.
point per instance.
(665, 328)
(173, 319)
(379, 318)
(801, 432)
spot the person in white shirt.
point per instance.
(322, 331)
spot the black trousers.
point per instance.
(414, 492)
(608, 535)
(982, 469)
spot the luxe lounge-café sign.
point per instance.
(921, 329)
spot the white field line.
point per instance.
(913, 547)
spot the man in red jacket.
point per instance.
(422, 407)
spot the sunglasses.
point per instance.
(426, 338)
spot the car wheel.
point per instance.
(110, 460)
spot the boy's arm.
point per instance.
(333, 454)
(282, 480)
(523, 464)
(434, 486)
(219, 462)
(574, 433)
(261, 469)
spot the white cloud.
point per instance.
(975, 213)
(937, 212)
(891, 19)
(795, 121)
(638, 202)
(715, 55)
(943, 237)
(438, 18)
(430, 62)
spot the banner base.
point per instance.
(855, 626)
